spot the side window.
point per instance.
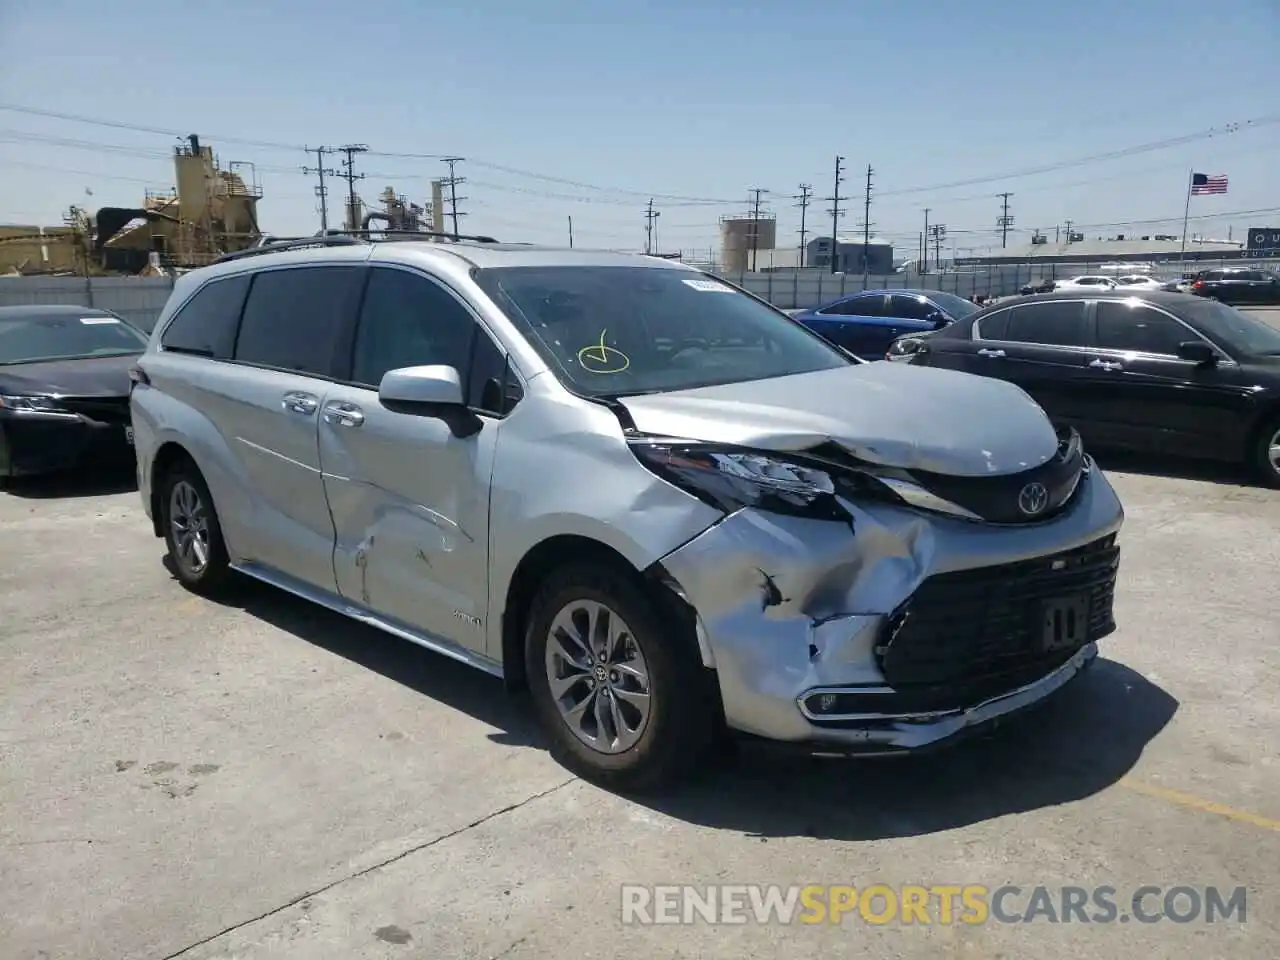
(491, 386)
(206, 325)
(293, 318)
(995, 326)
(872, 306)
(909, 308)
(1138, 328)
(409, 321)
(1053, 323)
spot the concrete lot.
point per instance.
(264, 779)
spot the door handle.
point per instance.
(343, 414)
(303, 403)
(1106, 365)
(986, 352)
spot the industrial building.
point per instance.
(1123, 248)
(742, 239)
(209, 212)
(852, 255)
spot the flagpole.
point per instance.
(1186, 215)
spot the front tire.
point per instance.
(1266, 453)
(621, 691)
(197, 552)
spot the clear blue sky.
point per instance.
(702, 99)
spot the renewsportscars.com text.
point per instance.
(941, 904)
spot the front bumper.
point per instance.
(40, 444)
(790, 611)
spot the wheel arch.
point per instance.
(167, 456)
(553, 553)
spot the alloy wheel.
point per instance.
(598, 676)
(189, 524)
(1273, 451)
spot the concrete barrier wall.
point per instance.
(140, 299)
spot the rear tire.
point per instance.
(632, 707)
(1265, 456)
(197, 552)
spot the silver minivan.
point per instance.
(655, 501)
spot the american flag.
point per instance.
(1206, 183)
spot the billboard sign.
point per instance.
(1263, 238)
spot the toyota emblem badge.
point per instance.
(1033, 498)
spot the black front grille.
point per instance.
(101, 409)
(1008, 498)
(981, 629)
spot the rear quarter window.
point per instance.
(206, 324)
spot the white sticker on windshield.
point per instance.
(709, 286)
(96, 320)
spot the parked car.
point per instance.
(1233, 285)
(64, 388)
(1148, 371)
(1088, 282)
(652, 498)
(1140, 281)
(866, 323)
(1044, 285)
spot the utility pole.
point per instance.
(650, 215)
(836, 213)
(349, 167)
(321, 171)
(924, 244)
(1068, 231)
(866, 230)
(570, 233)
(755, 224)
(806, 195)
(452, 183)
(1005, 221)
(938, 233)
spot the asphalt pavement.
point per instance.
(262, 779)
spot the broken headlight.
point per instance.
(729, 478)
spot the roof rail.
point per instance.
(345, 238)
(373, 235)
(292, 243)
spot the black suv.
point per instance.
(1236, 285)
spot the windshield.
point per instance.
(37, 337)
(1234, 329)
(613, 331)
(956, 306)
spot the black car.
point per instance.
(1237, 286)
(64, 388)
(1156, 372)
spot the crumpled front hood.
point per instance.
(891, 414)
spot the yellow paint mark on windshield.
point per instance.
(601, 358)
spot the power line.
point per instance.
(805, 196)
(1004, 221)
(452, 183)
(836, 213)
(321, 171)
(1166, 143)
(1153, 145)
(349, 166)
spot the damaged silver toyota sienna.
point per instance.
(654, 500)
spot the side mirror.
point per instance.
(938, 319)
(436, 386)
(1197, 351)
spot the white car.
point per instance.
(1093, 282)
(1139, 281)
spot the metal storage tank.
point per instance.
(738, 235)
